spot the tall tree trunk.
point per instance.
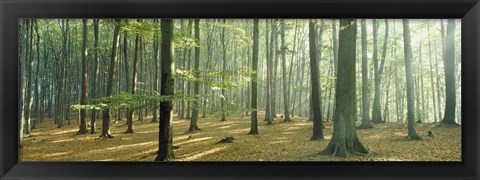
(224, 70)
(36, 85)
(431, 80)
(449, 69)
(286, 113)
(155, 81)
(314, 77)
(111, 74)
(253, 116)
(269, 59)
(28, 76)
(345, 140)
(376, 113)
(196, 86)
(95, 74)
(165, 134)
(83, 98)
(412, 134)
(365, 99)
(134, 83)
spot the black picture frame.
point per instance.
(12, 10)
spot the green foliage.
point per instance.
(233, 78)
(130, 101)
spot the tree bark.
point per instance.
(167, 83)
(345, 140)
(412, 134)
(83, 98)
(365, 99)
(314, 77)
(196, 85)
(286, 114)
(449, 69)
(111, 73)
(253, 116)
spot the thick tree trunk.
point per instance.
(167, 83)
(449, 69)
(345, 140)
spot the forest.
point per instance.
(239, 90)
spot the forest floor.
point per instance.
(283, 141)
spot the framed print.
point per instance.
(239, 89)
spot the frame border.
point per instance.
(11, 10)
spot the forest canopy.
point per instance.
(269, 89)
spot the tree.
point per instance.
(412, 134)
(365, 100)
(134, 82)
(111, 74)
(449, 69)
(167, 83)
(95, 74)
(345, 140)
(224, 69)
(196, 85)
(286, 114)
(269, 59)
(83, 98)
(253, 116)
(314, 77)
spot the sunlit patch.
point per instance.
(122, 147)
(62, 140)
(279, 142)
(204, 153)
(193, 140)
(65, 132)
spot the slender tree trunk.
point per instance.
(111, 74)
(83, 98)
(432, 81)
(134, 83)
(314, 77)
(196, 86)
(286, 113)
(269, 59)
(224, 70)
(253, 116)
(365, 99)
(412, 134)
(95, 74)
